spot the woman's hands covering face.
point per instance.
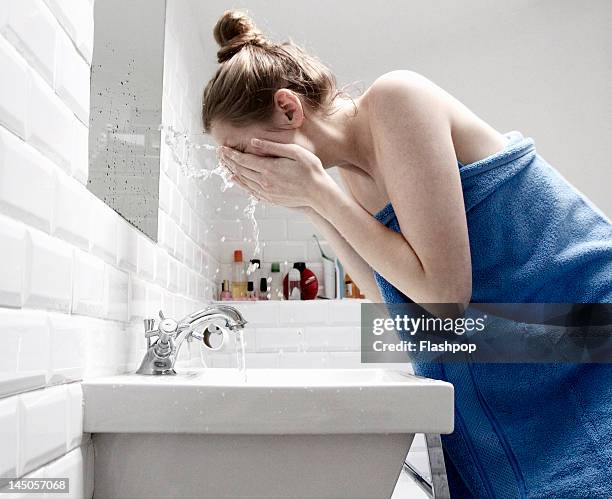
(282, 174)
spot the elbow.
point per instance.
(459, 297)
(459, 293)
(463, 295)
(448, 300)
(442, 289)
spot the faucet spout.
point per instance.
(231, 316)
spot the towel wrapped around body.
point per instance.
(528, 430)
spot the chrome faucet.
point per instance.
(162, 354)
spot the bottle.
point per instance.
(239, 283)
(351, 289)
(276, 285)
(226, 294)
(251, 296)
(254, 270)
(309, 285)
(294, 291)
(263, 289)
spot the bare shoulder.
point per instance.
(410, 111)
(404, 101)
(402, 91)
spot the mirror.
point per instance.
(126, 108)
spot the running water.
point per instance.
(241, 354)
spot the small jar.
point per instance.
(264, 294)
(251, 296)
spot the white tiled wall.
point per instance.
(285, 334)
(42, 436)
(75, 278)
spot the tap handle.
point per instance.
(151, 333)
(149, 327)
(168, 328)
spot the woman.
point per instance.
(439, 208)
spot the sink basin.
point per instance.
(283, 433)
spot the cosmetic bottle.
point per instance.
(276, 284)
(254, 270)
(251, 296)
(293, 285)
(351, 290)
(226, 294)
(264, 294)
(309, 284)
(239, 282)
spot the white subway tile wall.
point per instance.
(75, 278)
(308, 334)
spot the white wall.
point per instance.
(75, 278)
(543, 67)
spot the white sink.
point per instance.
(283, 433)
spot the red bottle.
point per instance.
(308, 282)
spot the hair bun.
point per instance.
(234, 30)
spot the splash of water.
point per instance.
(184, 152)
(302, 342)
(249, 212)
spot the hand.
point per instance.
(284, 174)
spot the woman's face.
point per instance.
(284, 126)
(240, 137)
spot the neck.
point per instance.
(337, 138)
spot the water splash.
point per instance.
(249, 212)
(301, 342)
(185, 152)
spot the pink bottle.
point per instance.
(226, 294)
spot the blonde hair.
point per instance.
(251, 70)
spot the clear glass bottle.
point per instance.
(239, 281)
(276, 282)
(254, 270)
(251, 295)
(264, 290)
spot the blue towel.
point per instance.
(528, 430)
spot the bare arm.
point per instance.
(360, 271)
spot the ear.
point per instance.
(288, 109)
